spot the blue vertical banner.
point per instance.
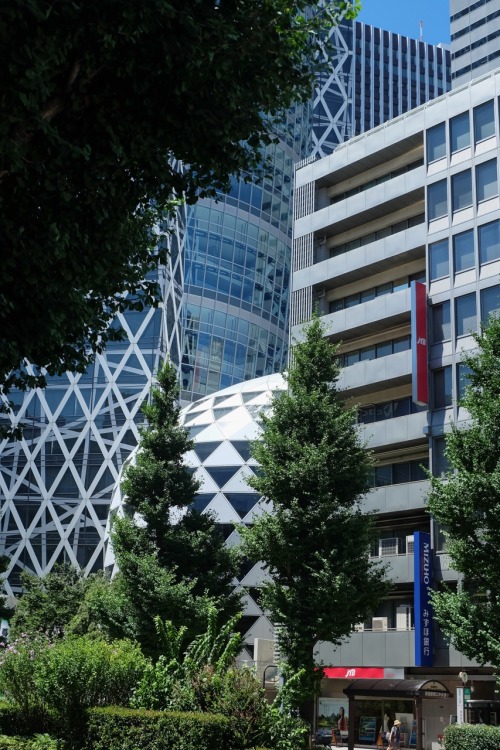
(423, 584)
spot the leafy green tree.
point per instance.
(6, 612)
(49, 603)
(315, 542)
(466, 502)
(173, 561)
(100, 101)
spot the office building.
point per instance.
(376, 75)
(399, 228)
(56, 482)
(475, 38)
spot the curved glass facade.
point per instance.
(237, 272)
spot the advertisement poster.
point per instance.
(367, 728)
(331, 712)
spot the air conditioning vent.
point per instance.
(379, 624)
(403, 617)
(359, 628)
(409, 545)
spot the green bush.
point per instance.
(77, 673)
(472, 737)
(116, 728)
(38, 742)
(18, 664)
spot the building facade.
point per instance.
(237, 272)
(401, 221)
(56, 482)
(375, 75)
(475, 36)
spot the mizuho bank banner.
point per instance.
(423, 614)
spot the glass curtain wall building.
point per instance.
(56, 482)
(237, 272)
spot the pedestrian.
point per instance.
(395, 736)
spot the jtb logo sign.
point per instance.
(420, 390)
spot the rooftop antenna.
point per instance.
(421, 32)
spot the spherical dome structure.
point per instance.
(222, 426)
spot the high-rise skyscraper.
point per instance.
(375, 75)
(475, 38)
(56, 484)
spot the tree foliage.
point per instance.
(466, 502)
(315, 542)
(48, 604)
(173, 562)
(100, 101)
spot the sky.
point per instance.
(404, 16)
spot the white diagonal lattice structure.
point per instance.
(222, 426)
(56, 482)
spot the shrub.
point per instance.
(467, 736)
(128, 729)
(38, 742)
(18, 664)
(77, 673)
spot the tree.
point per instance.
(100, 101)
(315, 543)
(466, 502)
(49, 603)
(173, 561)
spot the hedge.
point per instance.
(472, 737)
(116, 728)
(28, 743)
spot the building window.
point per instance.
(486, 180)
(440, 463)
(489, 242)
(461, 190)
(466, 315)
(463, 372)
(459, 132)
(463, 251)
(439, 263)
(437, 201)
(484, 122)
(436, 143)
(490, 303)
(441, 322)
(442, 387)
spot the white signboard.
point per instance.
(460, 706)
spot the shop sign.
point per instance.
(363, 673)
(419, 357)
(424, 624)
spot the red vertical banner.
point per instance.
(419, 355)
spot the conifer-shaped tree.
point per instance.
(172, 560)
(315, 542)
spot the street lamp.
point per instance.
(463, 677)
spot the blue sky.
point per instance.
(404, 16)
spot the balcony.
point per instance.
(396, 498)
(410, 429)
(389, 371)
(376, 315)
(370, 648)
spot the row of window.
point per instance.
(401, 226)
(377, 181)
(461, 184)
(377, 291)
(400, 473)
(469, 8)
(477, 64)
(375, 351)
(466, 318)
(459, 132)
(442, 263)
(399, 407)
(478, 43)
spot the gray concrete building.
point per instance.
(475, 38)
(398, 225)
